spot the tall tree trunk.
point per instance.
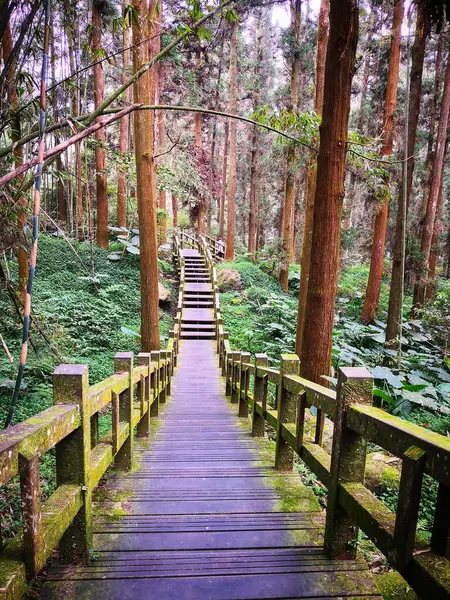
(432, 126)
(161, 126)
(255, 140)
(320, 305)
(144, 129)
(223, 190)
(231, 199)
(199, 145)
(395, 295)
(174, 210)
(380, 222)
(100, 134)
(433, 196)
(124, 132)
(291, 167)
(321, 53)
(438, 228)
(13, 101)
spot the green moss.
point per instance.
(393, 587)
(293, 496)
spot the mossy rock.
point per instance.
(382, 474)
(393, 587)
(229, 280)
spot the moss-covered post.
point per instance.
(286, 412)
(123, 363)
(229, 366)
(259, 395)
(235, 377)
(243, 386)
(162, 377)
(143, 428)
(440, 539)
(408, 505)
(223, 354)
(30, 490)
(300, 427)
(73, 457)
(348, 461)
(167, 355)
(174, 349)
(219, 322)
(154, 411)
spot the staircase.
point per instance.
(197, 319)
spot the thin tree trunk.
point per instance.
(213, 142)
(13, 100)
(322, 44)
(433, 196)
(431, 286)
(161, 129)
(223, 191)
(320, 305)
(395, 295)
(174, 211)
(199, 146)
(254, 147)
(231, 199)
(100, 135)
(144, 128)
(381, 217)
(124, 133)
(291, 167)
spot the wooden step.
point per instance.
(197, 327)
(198, 335)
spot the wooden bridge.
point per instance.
(200, 503)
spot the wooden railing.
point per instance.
(350, 505)
(71, 426)
(205, 241)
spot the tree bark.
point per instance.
(395, 296)
(100, 136)
(291, 167)
(372, 297)
(161, 128)
(174, 210)
(223, 190)
(124, 134)
(339, 68)
(13, 100)
(438, 228)
(144, 128)
(433, 196)
(255, 141)
(321, 53)
(231, 198)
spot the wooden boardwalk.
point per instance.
(204, 515)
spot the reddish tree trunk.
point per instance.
(144, 128)
(339, 68)
(223, 190)
(161, 127)
(13, 99)
(395, 296)
(433, 196)
(231, 198)
(291, 167)
(100, 135)
(322, 44)
(381, 217)
(431, 286)
(124, 136)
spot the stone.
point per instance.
(164, 294)
(229, 280)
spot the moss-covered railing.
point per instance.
(71, 426)
(350, 505)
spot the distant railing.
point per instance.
(134, 393)
(217, 248)
(350, 505)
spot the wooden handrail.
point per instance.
(71, 427)
(350, 504)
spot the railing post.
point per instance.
(348, 460)
(123, 363)
(143, 428)
(154, 412)
(225, 336)
(235, 376)
(259, 395)
(167, 355)
(243, 386)
(162, 377)
(73, 456)
(286, 412)
(408, 504)
(440, 539)
(30, 489)
(229, 372)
